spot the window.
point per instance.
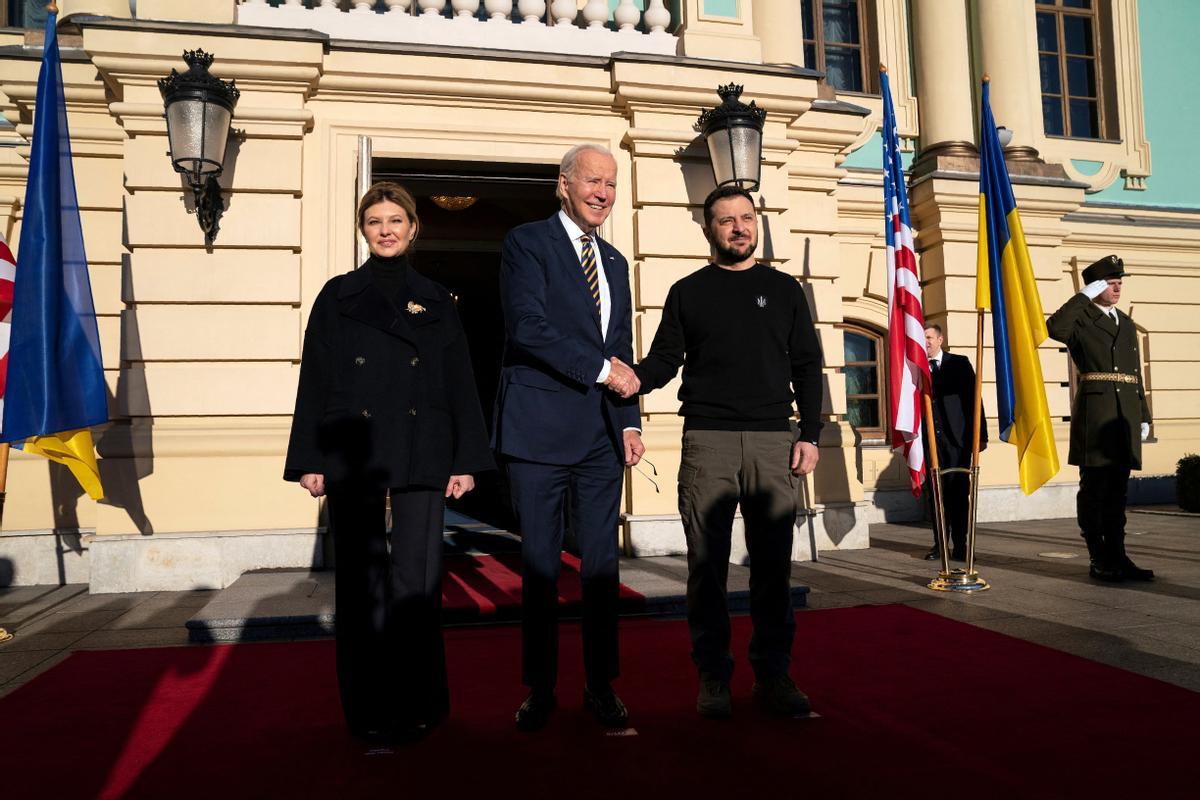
(835, 42)
(866, 410)
(23, 13)
(1068, 34)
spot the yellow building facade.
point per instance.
(201, 344)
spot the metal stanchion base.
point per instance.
(4, 636)
(959, 580)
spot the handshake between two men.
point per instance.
(622, 380)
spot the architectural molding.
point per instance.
(1126, 156)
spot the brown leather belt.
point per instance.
(1111, 377)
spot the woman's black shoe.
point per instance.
(534, 713)
(606, 707)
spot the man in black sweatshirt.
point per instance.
(744, 336)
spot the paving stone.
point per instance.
(15, 664)
(63, 622)
(121, 639)
(22, 641)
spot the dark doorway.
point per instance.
(466, 209)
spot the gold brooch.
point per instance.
(415, 308)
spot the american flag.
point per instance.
(907, 362)
(8, 269)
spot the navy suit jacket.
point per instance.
(549, 407)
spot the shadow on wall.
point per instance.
(126, 447)
(7, 573)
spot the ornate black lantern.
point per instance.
(733, 131)
(199, 109)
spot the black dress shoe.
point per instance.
(534, 713)
(1102, 572)
(1132, 572)
(934, 554)
(606, 707)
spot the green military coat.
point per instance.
(1106, 416)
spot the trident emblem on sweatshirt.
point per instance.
(761, 301)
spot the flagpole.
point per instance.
(977, 412)
(935, 485)
(4, 635)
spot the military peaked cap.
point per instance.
(1105, 268)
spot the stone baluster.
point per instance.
(497, 9)
(329, 5)
(254, 2)
(287, 2)
(564, 12)
(657, 17)
(364, 6)
(464, 9)
(401, 6)
(627, 15)
(431, 8)
(596, 13)
(532, 10)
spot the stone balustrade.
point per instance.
(559, 26)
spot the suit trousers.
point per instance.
(956, 498)
(540, 493)
(720, 470)
(391, 662)
(1100, 503)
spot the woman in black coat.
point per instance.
(387, 409)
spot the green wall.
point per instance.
(870, 155)
(1170, 66)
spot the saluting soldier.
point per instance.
(1110, 418)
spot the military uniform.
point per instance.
(1106, 419)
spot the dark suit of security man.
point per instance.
(954, 423)
(1110, 417)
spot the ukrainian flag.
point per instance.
(1005, 285)
(55, 385)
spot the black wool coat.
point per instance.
(387, 397)
(1106, 417)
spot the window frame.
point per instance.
(880, 434)
(1060, 12)
(866, 44)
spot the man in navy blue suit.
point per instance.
(562, 426)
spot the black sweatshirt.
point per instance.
(746, 341)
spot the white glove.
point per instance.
(1095, 288)
(1145, 431)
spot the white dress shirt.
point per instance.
(575, 234)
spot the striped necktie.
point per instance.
(587, 260)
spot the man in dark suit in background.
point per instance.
(953, 422)
(562, 428)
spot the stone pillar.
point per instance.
(1008, 54)
(943, 67)
(719, 29)
(779, 27)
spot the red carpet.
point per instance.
(262, 720)
(489, 586)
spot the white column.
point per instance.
(943, 71)
(1008, 53)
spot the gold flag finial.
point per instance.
(52, 7)
(882, 67)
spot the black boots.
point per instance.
(1110, 563)
(1102, 567)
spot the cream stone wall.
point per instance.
(202, 344)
